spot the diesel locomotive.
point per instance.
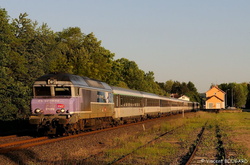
(66, 104)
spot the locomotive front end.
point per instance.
(53, 103)
(52, 100)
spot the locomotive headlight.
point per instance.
(60, 110)
(37, 110)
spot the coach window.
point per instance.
(153, 102)
(174, 104)
(169, 103)
(165, 103)
(116, 100)
(122, 101)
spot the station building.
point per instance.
(215, 98)
(181, 97)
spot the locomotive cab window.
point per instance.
(101, 97)
(42, 91)
(62, 91)
(104, 97)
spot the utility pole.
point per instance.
(226, 99)
(232, 97)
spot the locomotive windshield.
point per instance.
(62, 91)
(52, 91)
(42, 91)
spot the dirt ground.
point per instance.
(81, 148)
(239, 130)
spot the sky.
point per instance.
(202, 41)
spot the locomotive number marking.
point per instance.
(50, 109)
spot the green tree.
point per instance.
(248, 96)
(240, 95)
(176, 88)
(236, 93)
(70, 55)
(82, 55)
(7, 109)
(168, 86)
(191, 87)
(132, 75)
(100, 60)
(6, 37)
(28, 51)
(43, 51)
(150, 84)
(184, 88)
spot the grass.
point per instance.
(162, 150)
(166, 149)
(234, 129)
(235, 133)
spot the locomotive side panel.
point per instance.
(93, 96)
(97, 110)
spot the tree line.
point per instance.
(237, 94)
(29, 50)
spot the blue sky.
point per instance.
(183, 40)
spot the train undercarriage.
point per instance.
(61, 125)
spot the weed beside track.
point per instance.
(159, 145)
(174, 148)
(225, 138)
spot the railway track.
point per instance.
(22, 144)
(208, 148)
(194, 158)
(16, 145)
(7, 137)
(123, 157)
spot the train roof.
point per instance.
(85, 82)
(150, 95)
(128, 92)
(70, 79)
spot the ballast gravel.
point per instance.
(72, 151)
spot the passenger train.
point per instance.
(66, 104)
